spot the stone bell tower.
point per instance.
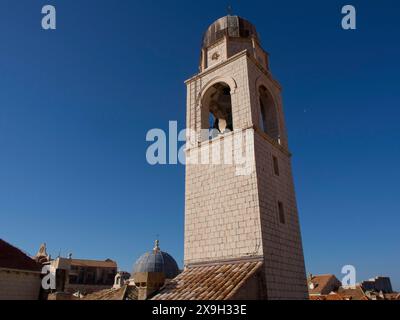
(231, 215)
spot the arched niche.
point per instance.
(268, 113)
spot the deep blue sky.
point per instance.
(76, 104)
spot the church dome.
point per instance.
(157, 261)
(233, 26)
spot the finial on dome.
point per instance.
(230, 10)
(157, 245)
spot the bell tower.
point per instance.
(233, 214)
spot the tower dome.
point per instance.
(156, 261)
(232, 26)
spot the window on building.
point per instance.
(276, 165)
(268, 114)
(281, 211)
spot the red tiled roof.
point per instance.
(209, 282)
(13, 258)
(356, 293)
(331, 297)
(124, 293)
(335, 297)
(320, 283)
(392, 296)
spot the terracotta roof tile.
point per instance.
(392, 296)
(13, 258)
(124, 293)
(356, 293)
(320, 283)
(209, 282)
(335, 297)
(331, 297)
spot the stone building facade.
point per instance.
(85, 276)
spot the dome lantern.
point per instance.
(232, 26)
(229, 36)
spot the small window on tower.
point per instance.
(276, 165)
(281, 213)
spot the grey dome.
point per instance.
(157, 261)
(232, 26)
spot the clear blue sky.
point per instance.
(76, 104)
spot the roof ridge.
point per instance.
(213, 282)
(226, 261)
(12, 257)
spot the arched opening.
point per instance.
(118, 281)
(268, 114)
(217, 109)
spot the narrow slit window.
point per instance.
(281, 213)
(276, 165)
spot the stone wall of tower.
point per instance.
(237, 45)
(235, 68)
(222, 214)
(218, 49)
(282, 244)
(283, 252)
(222, 218)
(229, 216)
(228, 47)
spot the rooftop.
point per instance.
(124, 293)
(13, 258)
(209, 282)
(94, 263)
(318, 283)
